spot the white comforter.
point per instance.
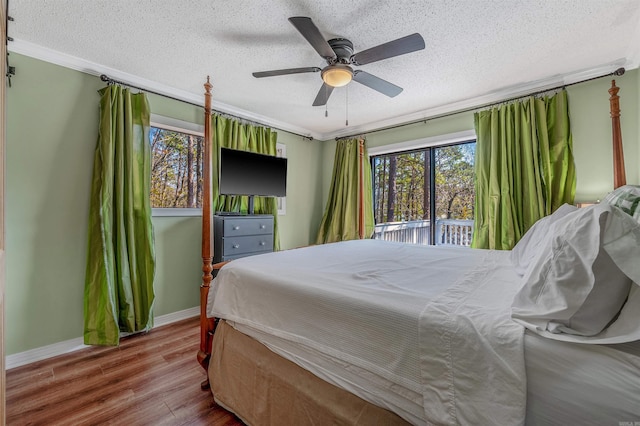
(434, 323)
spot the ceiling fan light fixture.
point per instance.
(337, 75)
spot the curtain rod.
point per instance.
(110, 80)
(620, 71)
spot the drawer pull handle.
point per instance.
(262, 243)
(262, 226)
(235, 246)
(236, 227)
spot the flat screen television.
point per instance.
(252, 174)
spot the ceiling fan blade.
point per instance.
(403, 45)
(308, 29)
(376, 83)
(323, 95)
(285, 72)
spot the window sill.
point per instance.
(176, 212)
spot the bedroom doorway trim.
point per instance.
(3, 71)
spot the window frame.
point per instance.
(175, 125)
(431, 143)
(428, 142)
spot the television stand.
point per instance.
(240, 236)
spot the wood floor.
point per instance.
(150, 379)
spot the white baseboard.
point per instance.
(61, 348)
(176, 316)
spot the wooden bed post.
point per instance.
(619, 176)
(207, 325)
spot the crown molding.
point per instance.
(75, 63)
(487, 99)
(48, 55)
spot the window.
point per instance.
(176, 168)
(426, 195)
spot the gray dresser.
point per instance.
(240, 236)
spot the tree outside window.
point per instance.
(454, 181)
(176, 170)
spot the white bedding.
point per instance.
(576, 384)
(472, 352)
(388, 314)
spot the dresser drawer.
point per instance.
(248, 226)
(240, 236)
(238, 256)
(235, 245)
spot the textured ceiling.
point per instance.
(475, 50)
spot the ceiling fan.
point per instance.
(338, 53)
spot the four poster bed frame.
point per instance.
(208, 325)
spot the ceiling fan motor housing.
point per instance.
(343, 49)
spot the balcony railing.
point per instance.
(451, 232)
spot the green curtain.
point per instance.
(340, 220)
(524, 168)
(230, 133)
(119, 293)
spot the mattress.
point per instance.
(574, 383)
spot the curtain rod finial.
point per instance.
(620, 71)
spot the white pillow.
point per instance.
(583, 273)
(627, 198)
(527, 248)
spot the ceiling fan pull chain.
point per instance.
(346, 123)
(326, 111)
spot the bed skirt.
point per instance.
(262, 388)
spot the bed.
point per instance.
(344, 333)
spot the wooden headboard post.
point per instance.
(619, 176)
(361, 189)
(207, 325)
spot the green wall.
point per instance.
(51, 135)
(52, 120)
